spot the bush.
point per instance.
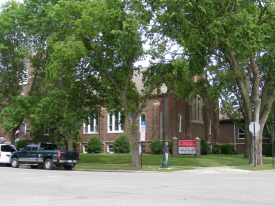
(122, 144)
(20, 143)
(268, 150)
(204, 147)
(155, 146)
(95, 145)
(227, 148)
(216, 151)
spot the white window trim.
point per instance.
(108, 148)
(84, 149)
(120, 129)
(140, 148)
(25, 127)
(180, 117)
(95, 127)
(242, 133)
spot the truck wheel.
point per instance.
(48, 164)
(68, 167)
(14, 162)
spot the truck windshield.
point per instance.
(48, 147)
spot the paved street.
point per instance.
(205, 186)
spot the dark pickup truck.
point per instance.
(47, 154)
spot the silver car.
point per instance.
(5, 153)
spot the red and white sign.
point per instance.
(187, 147)
(142, 136)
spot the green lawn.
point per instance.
(153, 162)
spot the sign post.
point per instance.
(254, 128)
(273, 144)
(142, 138)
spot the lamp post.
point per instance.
(163, 90)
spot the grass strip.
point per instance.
(152, 162)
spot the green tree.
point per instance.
(70, 93)
(232, 40)
(14, 56)
(107, 35)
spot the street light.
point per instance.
(163, 90)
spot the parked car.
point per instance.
(47, 154)
(5, 153)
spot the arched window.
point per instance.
(196, 109)
(180, 117)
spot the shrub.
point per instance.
(204, 147)
(227, 148)
(95, 145)
(155, 146)
(122, 144)
(216, 151)
(268, 150)
(21, 143)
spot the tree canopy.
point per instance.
(231, 40)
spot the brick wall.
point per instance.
(227, 136)
(153, 112)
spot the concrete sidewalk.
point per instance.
(216, 170)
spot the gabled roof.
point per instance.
(225, 117)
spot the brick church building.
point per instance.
(184, 120)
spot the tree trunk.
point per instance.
(134, 149)
(71, 136)
(70, 143)
(132, 118)
(13, 136)
(247, 140)
(259, 147)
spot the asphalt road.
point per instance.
(209, 186)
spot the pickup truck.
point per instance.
(47, 154)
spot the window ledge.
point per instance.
(115, 132)
(197, 122)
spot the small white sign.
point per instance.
(142, 136)
(253, 125)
